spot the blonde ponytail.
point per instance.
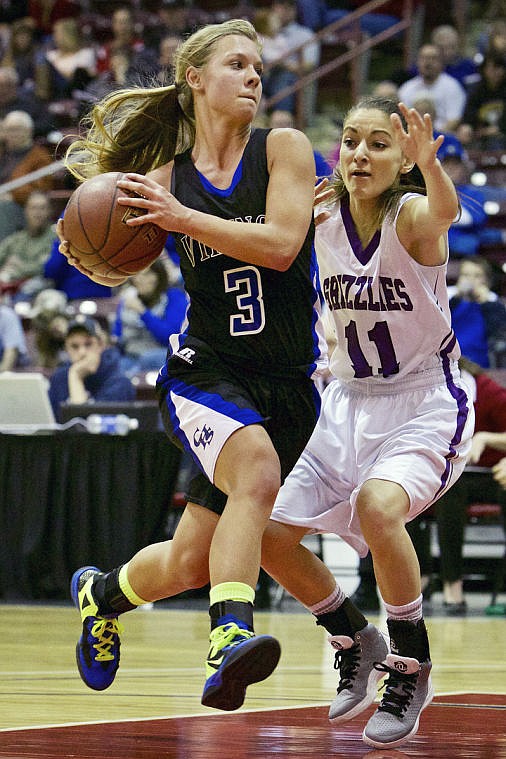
(140, 129)
(130, 130)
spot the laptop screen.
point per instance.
(24, 400)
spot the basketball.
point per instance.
(95, 226)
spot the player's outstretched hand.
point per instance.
(418, 142)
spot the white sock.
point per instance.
(331, 603)
(411, 612)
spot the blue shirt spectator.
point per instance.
(151, 308)
(465, 234)
(478, 314)
(92, 371)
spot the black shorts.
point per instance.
(203, 400)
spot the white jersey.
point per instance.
(391, 314)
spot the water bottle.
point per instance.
(111, 424)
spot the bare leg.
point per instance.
(294, 566)
(164, 569)
(382, 507)
(248, 471)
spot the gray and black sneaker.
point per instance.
(356, 659)
(408, 691)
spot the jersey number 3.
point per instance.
(380, 336)
(246, 282)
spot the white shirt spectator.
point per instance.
(446, 93)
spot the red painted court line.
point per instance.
(449, 730)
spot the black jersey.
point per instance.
(253, 316)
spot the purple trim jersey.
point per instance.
(390, 313)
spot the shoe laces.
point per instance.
(347, 661)
(229, 634)
(106, 632)
(399, 690)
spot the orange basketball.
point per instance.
(95, 226)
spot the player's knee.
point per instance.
(381, 509)
(259, 479)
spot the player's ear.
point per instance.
(407, 165)
(193, 77)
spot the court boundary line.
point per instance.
(250, 711)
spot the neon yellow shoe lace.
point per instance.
(105, 630)
(224, 635)
(220, 638)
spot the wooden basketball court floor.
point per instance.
(153, 710)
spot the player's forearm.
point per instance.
(442, 200)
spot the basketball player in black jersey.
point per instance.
(237, 389)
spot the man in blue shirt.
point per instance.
(92, 371)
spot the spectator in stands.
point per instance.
(499, 472)
(465, 234)
(69, 280)
(119, 74)
(23, 254)
(386, 89)
(174, 17)
(284, 119)
(69, 64)
(455, 63)
(46, 13)
(12, 10)
(312, 13)
(20, 156)
(47, 328)
(151, 308)
(13, 97)
(497, 37)
(49, 331)
(432, 82)
(446, 38)
(289, 35)
(488, 449)
(13, 352)
(483, 123)
(92, 370)
(126, 39)
(478, 314)
(166, 49)
(21, 52)
(493, 35)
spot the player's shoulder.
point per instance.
(288, 137)
(287, 146)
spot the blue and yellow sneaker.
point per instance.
(237, 658)
(98, 648)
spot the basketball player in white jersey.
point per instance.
(396, 423)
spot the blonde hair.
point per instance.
(141, 128)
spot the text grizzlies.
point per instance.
(357, 293)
